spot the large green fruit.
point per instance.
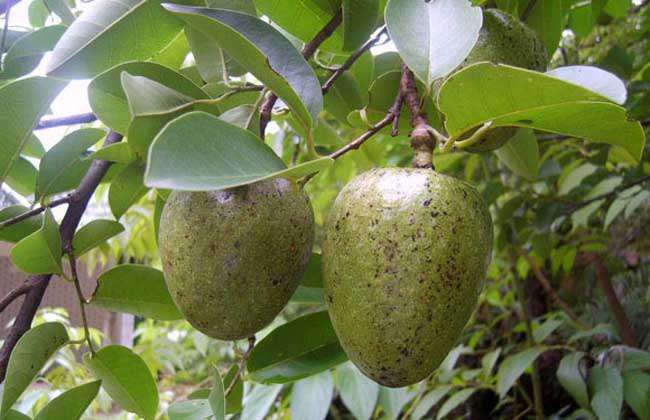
(405, 255)
(504, 39)
(233, 258)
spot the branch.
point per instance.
(78, 202)
(308, 51)
(352, 59)
(605, 284)
(34, 212)
(575, 207)
(4, 7)
(5, 30)
(240, 368)
(68, 120)
(422, 139)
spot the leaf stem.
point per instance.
(80, 297)
(35, 211)
(240, 367)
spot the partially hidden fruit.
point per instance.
(504, 39)
(405, 255)
(233, 258)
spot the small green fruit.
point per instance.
(233, 258)
(405, 255)
(504, 39)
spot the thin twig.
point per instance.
(13, 295)
(242, 364)
(80, 298)
(352, 59)
(266, 110)
(35, 211)
(575, 207)
(67, 120)
(69, 224)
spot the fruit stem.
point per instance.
(422, 136)
(240, 368)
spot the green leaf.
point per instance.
(570, 376)
(454, 401)
(15, 415)
(264, 52)
(359, 394)
(596, 80)
(359, 20)
(393, 400)
(110, 32)
(31, 353)
(194, 409)
(18, 231)
(258, 402)
(135, 289)
(311, 397)
(94, 234)
(126, 189)
(542, 332)
(575, 177)
(22, 177)
(33, 148)
(510, 96)
(148, 96)
(605, 186)
(513, 367)
(108, 100)
(344, 97)
(548, 18)
(217, 399)
(40, 252)
(615, 210)
(606, 386)
(296, 350)
(304, 19)
(200, 152)
(636, 386)
(22, 103)
(26, 53)
(521, 154)
(636, 202)
(490, 360)
(117, 152)
(64, 165)
(71, 404)
(234, 399)
(126, 378)
(429, 400)
(61, 9)
(433, 38)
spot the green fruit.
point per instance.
(405, 255)
(504, 39)
(233, 258)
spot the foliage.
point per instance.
(561, 328)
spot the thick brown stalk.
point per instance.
(605, 284)
(422, 140)
(77, 206)
(266, 110)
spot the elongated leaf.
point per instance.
(600, 81)
(135, 289)
(148, 96)
(195, 409)
(454, 401)
(126, 189)
(393, 400)
(118, 152)
(31, 353)
(300, 348)
(94, 234)
(359, 20)
(126, 378)
(636, 387)
(61, 9)
(40, 252)
(510, 96)
(234, 399)
(433, 38)
(217, 398)
(521, 154)
(570, 376)
(22, 177)
(311, 397)
(429, 400)
(304, 19)
(258, 402)
(63, 166)
(359, 394)
(25, 55)
(548, 18)
(606, 386)
(71, 404)
(110, 32)
(263, 51)
(22, 103)
(513, 367)
(200, 152)
(109, 102)
(18, 231)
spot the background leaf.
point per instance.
(521, 154)
(126, 189)
(606, 386)
(359, 20)
(217, 398)
(311, 397)
(596, 80)
(26, 53)
(71, 404)
(93, 234)
(40, 252)
(258, 402)
(359, 394)
(18, 231)
(569, 375)
(513, 367)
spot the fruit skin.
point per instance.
(233, 258)
(405, 255)
(504, 39)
